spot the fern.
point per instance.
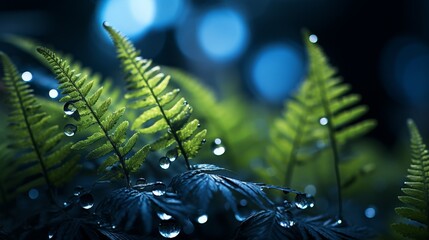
(416, 198)
(290, 133)
(110, 139)
(161, 110)
(338, 111)
(229, 118)
(40, 157)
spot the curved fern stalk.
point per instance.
(416, 198)
(77, 90)
(161, 110)
(290, 132)
(338, 111)
(40, 156)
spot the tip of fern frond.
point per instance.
(410, 122)
(40, 50)
(106, 24)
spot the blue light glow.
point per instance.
(370, 212)
(222, 34)
(276, 71)
(405, 70)
(132, 17)
(167, 12)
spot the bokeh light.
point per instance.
(405, 72)
(222, 34)
(276, 71)
(27, 76)
(53, 93)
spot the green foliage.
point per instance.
(39, 157)
(162, 111)
(230, 118)
(110, 139)
(416, 198)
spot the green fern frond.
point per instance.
(416, 198)
(163, 112)
(229, 118)
(290, 133)
(42, 159)
(109, 139)
(339, 110)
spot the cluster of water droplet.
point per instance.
(70, 110)
(170, 156)
(81, 197)
(157, 188)
(303, 201)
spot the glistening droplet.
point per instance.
(172, 155)
(86, 201)
(70, 130)
(141, 181)
(78, 191)
(304, 201)
(158, 189)
(202, 219)
(164, 163)
(169, 228)
(51, 234)
(163, 216)
(69, 108)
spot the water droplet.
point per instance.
(70, 130)
(163, 216)
(199, 125)
(370, 212)
(203, 141)
(218, 147)
(158, 189)
(287, 204)
(26, 76)
(33, 194)
(141, 181)
(169, 228)
(202, 219)
(51, 234)
(285, 219)
(185, 103)
(78, 191)
(310, 189)
(304, 201)
(86, 201)
(53, 93)
(313, 38)
(323, 121)
(69, 108)
(172, 155)
(164, 162)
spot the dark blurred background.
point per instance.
(380, 47)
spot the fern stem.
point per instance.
(334, 146)
(106, 133)
(292, 159)
(173, 131)
(34, 142)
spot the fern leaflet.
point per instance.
(161, 109)
(39, 154)
(110, 140)
(416, 198)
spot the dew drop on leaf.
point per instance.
(203, 141)
(69, 108)
(51, 234)
(163, 216)
(164, 163)
(78, 191)
(70, 130)
(172, 155)
(158, 189)
(303, 201)
(141, 181)
(286, 219)
(185, 103)
(169, 228)
(86, 201)
(202, 219)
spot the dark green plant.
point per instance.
(99, 128)
(416, 191)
